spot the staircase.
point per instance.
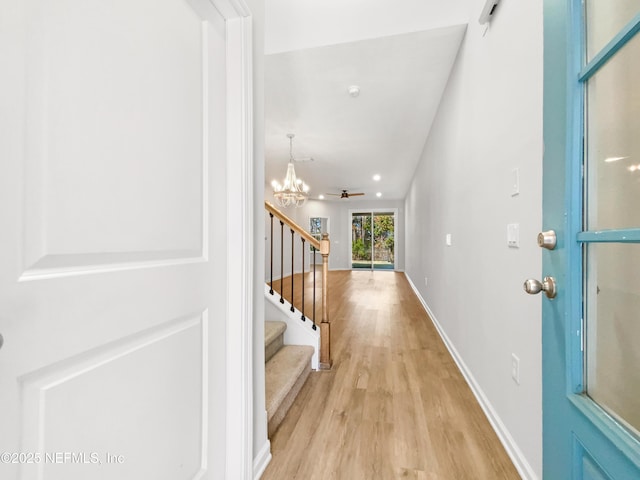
(307, 244)
(287, 369)
(308, 344)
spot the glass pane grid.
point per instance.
(612, 143)
(611, 210)
(608, 24)
(629, 235)
(612, 312)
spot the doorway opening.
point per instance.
(317, 227)
(373, 240)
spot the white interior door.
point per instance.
(113, 129)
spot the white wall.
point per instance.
(489, 122)
(294, 25)
(339, 229)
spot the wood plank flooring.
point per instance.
(394, 406)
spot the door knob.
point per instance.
(547, 239)
(548, 286)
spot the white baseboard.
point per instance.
(261, 460)
(514, 452)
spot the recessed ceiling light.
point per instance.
(377, 177)
(379, 194)
(354, 91)
(321, 197)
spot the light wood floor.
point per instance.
(394, 406)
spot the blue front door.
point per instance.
(591, 329)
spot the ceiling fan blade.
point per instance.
(334, 194)
(355, 194)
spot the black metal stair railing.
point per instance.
(315, 245)
(303, 318)
(281, 260)
(302, 275)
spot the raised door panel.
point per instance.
(134, 408)
(114, 129)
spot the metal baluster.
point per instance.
(314, 288)
(303, 253)
(292, 252)
(281, 258)
(271, 240)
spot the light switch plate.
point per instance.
(513, 235)
(448, 239)
(515, 368)
(515, 182)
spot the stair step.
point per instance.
(285, 375)
(273, 338)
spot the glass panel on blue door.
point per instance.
(605, 19)
(613, 141)
(613, 329)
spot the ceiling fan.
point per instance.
(345, 194)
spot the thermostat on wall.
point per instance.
(488, 11)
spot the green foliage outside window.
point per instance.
(383, 235)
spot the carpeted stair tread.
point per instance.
(272, 329)
(285, 374)
(273, 338)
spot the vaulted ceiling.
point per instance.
(401, 76)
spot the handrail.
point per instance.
(314, 242)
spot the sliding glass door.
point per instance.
(372, 240)
(361, 245)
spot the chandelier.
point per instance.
(293, 191)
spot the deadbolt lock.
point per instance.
(547, 239)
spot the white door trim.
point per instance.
(239, 227)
